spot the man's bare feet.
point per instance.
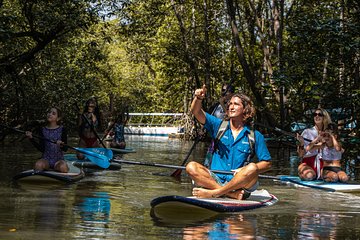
(238, 194)
(202, 193)
(207, 193)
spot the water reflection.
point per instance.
(41, 209)
(49, 211)
(94, 208)
(233, 227)
(317, 225)
(92, 214)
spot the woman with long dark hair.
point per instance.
(88, 121)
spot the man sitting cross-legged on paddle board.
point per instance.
(232, 151)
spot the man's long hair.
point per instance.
(249, 109)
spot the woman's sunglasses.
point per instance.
(318, 114)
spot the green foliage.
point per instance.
(151, 55)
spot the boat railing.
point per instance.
(155, 119)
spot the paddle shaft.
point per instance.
(178, 171)
(91, 126)
(281, 131)
(150, 164)
(109, 129)
(100, 159)
(39, 137)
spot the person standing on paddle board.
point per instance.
(311, 164)
(52, 154)
(331, 155)
(232, 151)
(88, 121)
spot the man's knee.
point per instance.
(191, 168)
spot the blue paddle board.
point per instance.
(322, 185)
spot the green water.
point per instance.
(116, 204)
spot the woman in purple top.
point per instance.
(52, 154)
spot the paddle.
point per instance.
(281, 131)
(177, 172)
(91, 126)
(150, 164)
(99, 156)
(162, 165)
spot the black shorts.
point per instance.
(332, 169)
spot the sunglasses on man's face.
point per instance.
(318, 114)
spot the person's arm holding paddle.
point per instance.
(52, 133)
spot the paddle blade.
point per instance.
(103, 151)
(176, 173)
(99, 156)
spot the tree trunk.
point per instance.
(207, 49)
(189, 59)
(249, 74)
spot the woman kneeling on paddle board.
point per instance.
(311, 164)
(232, 152)
(52, 154)
(331, 155)
(118, 129)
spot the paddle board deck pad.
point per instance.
(170, 207)
(87, 164)
(122, 151)
(34, 176)
(322, 185)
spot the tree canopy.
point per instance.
(289, 56)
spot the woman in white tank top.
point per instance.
(311, 164)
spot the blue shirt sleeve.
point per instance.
(261, 149)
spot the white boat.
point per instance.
(155, 124)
